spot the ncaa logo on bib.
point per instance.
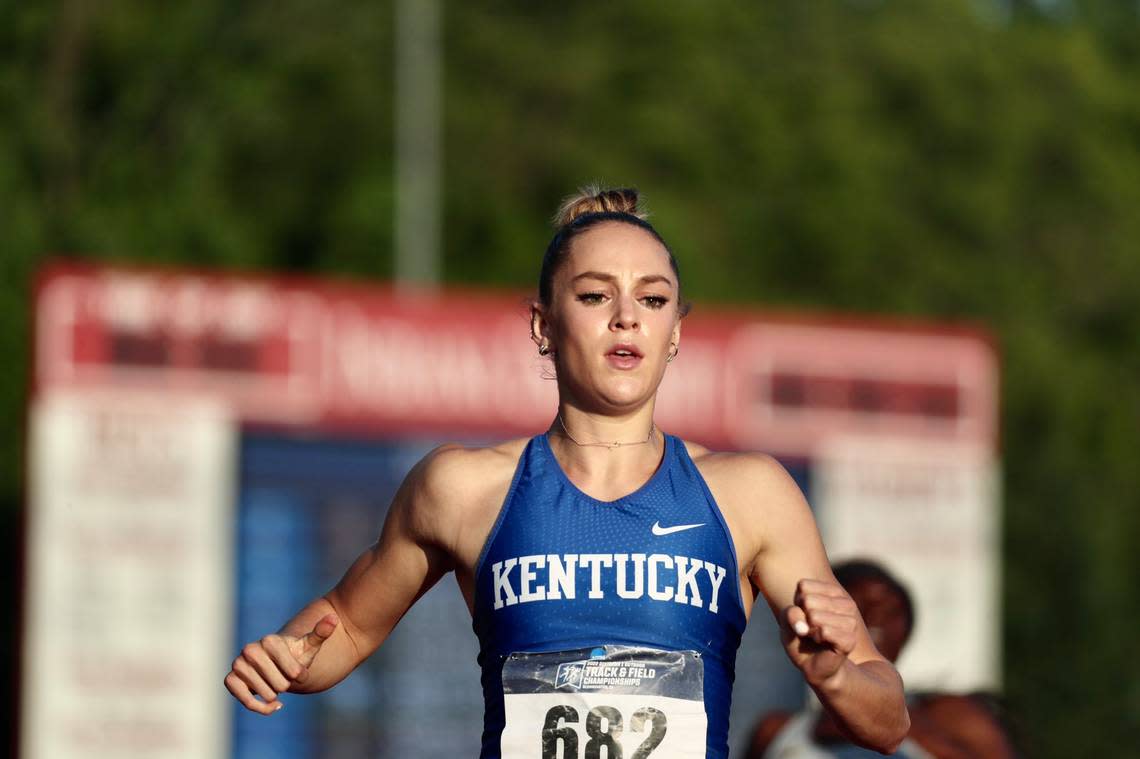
(570, 675)
(594, 674)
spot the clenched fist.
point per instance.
(819, 629)
(270, 666)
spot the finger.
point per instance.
(814, 603)
(278, 650)
(825, 608)
(795, 619)
(323, 629)
(256, 656)
(254, 680)
(311, 643)
(239, 689)
(844, 623)
(832, 629)
(839, 639)
(828, 587)
(822, 591)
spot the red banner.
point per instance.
(353, 357)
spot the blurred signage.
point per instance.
(129, 578)
(929, 512)
(289, 352)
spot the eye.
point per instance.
(655, 301)
(591, 298)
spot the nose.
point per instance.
(625, 314)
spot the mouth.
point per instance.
(624, 351)
(624, 356)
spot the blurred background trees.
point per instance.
(960, 160)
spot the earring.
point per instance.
(672, 354)
(543, 349)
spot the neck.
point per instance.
(584, 443)
(610, 444)
(590, 429)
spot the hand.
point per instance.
(273, 664)
(818, 631)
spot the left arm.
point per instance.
(821, 628)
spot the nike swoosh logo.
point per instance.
(659, 530)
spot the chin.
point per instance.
(625, 394)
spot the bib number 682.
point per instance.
(558, 727)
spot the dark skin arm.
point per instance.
(923, 731)
(949, 727)
(765, 732)
(959, 727)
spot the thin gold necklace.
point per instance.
(611, 446)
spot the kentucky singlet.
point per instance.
(607, 628)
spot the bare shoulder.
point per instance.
(456, 477)
(747, 479)
(455, 491)
(453, 467)
(760, 501)
(733, 463)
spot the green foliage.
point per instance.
(968, 160)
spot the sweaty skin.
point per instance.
(611, 325)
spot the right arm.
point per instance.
(334, 633)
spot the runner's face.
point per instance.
(884, 613)
(614, 317)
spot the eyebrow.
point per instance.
(604, 277)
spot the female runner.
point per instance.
(609, 568)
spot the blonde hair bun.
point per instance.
(597, 199)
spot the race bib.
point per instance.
(609, 702)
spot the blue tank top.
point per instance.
(563, 571)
